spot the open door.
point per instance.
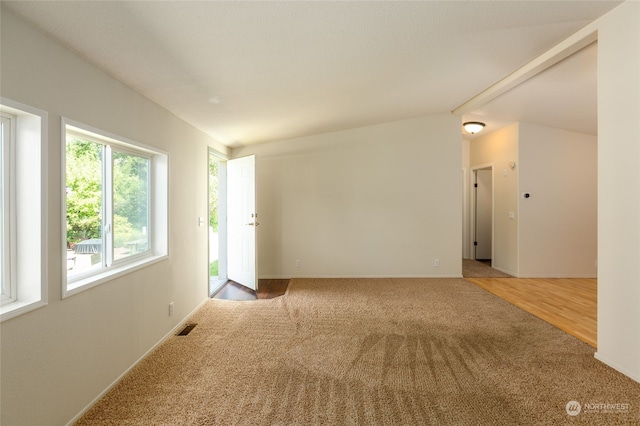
(483, 242)
(242, 221)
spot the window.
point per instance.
(115, 219)
(22, 209)
(107, 194)
(7, 122)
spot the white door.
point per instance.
(242, 221)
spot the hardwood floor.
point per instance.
(267, 289)
(569, 304)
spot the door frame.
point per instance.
(472, 208)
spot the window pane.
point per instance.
(130, 204)
(3, 191)
(84, 205)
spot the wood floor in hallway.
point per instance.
(267, 289)
(567, 303)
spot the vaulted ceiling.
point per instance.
(250, 72)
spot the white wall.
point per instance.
(381, 201)
(57, 359)
(498, 149)
(557, 235)
(554, 232)
(619, 188)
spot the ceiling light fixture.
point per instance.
(473, 127)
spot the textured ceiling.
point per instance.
(249, 72)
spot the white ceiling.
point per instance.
(563, 96)
(250, 72)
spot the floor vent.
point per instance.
(186, 330)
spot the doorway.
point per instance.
(232, 221)
(482, 221)
(217, 202)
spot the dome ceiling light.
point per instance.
(473, 127)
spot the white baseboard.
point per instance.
(632, 375)
(116, 381)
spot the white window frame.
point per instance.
(158, 209)
(24, 208)
(7, 156)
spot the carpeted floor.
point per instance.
(370, 352)
(474, 269)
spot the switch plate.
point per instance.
(436, 262)
(170, 308)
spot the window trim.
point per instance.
(30, 208)
(9, 285)
(158, 208)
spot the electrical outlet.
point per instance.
(170, 308)
(436, 262)
(297, 263)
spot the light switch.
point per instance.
(512, 215)
(201, 221)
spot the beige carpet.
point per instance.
(370, 352)
(474, 269)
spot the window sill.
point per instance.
(14, 309)
(113, 273)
